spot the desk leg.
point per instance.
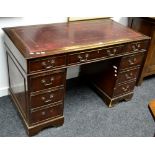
(32, 130)
(111, 101)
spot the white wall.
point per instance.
(8, 22)
(122, 20)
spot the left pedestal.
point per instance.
(38, 96)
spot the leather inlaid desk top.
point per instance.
(59, 38)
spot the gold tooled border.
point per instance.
(101, 44)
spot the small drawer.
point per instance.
(137, 46)
(132, 60)
(127, 75)
(46, 98)
(112, 51)
(46, 113)
(123, 88)
(83, 57)
(47, 63)
(47, 80)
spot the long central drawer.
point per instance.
(86, 56)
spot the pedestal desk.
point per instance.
(111, 57)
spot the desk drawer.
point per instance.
(137, 46)
(132, 60)
(47, 80)
(127, 75)
(47, 63)
(83, 57)
(114, 50)
(86, 56)
(46, 113)
(123, 88)
(46, 98)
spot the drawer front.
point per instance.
(47, 80)
(128, 75)
(112, 51)
(47, 63)
(137, 46)
(124, 88)
(46, 98)
(132, 60)
(86, 56)
(44, 114)
(83, 57)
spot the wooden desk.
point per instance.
(39, 55)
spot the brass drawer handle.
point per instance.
(132, 62)
(48, 100)
(43, 113)
(135, 47)
(138, 45)
(86, 55)
(129, 76)
(125, 88)
(111, 53)
(52, 62)
(43, 81)
(83, 59)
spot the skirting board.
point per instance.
(3, 91)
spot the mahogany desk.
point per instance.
(38, 57)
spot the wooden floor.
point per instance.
(152, 107)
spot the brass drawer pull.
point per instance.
(86, 55)
(47, 101)
(125, 88)
(138, 45)
(43, 113)
(129, 76)
(83, 59)
(135, 47)
(111, 53)
(132, 62)
(52, 62)
(43, 81)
